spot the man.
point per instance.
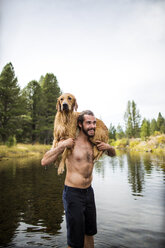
(78, 196)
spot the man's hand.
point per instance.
(51, 155)
(68, 143)
(101, 146)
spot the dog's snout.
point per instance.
(65, 106)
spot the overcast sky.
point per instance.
(105, 52)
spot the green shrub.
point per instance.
(112, 142)
(121, 143)
(11, 141)
(161, 139)
(156, 133)
(134, 142)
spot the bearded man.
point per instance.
(78, 195)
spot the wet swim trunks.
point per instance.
(80, 212)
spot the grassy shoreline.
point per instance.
(22, 150)
(153, 144)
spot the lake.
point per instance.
(129, 193)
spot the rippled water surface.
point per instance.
(130, 199)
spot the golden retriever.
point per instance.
(65, 126)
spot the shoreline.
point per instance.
(22, 150)
(153, 144)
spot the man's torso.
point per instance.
(80, 165)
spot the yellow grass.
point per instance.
(23, 150)
(154, 144)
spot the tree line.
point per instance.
(27, 115)
(134, 127)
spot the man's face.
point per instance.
(89, 125)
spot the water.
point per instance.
(129, 192)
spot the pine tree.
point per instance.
(112, 132)
(34, 111)
(132, 120)
(119, 132)
(161, 123)
(153, 126)
(128, 120)
(10, 102)
(51, 91)
(145, 129)
(136, 120)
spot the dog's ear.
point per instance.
(75, 105)
(58, 105)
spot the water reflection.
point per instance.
(138, 164)
(32, 195)
(135, 174)
(99, 167)
(31, 209)
(130, 198)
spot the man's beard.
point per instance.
(86, 131)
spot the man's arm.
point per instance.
(110, 151)
(51, 155)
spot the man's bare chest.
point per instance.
(83, 153)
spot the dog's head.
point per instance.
(66, 102)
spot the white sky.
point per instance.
(105, 52)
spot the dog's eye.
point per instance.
(69, 98)
(62, 99)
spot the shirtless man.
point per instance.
(78, 196)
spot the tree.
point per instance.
(34, 111)
(161, 123)
(119, 132)
(112, 132)
(128, 120)
(132, 120)
(10, 102)
(145, 129)
(153, 126)
(51, 91)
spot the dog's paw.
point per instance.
(60, 170)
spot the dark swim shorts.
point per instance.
(80, 212)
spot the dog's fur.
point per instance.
(65, 126)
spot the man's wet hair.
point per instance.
(81, 116)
